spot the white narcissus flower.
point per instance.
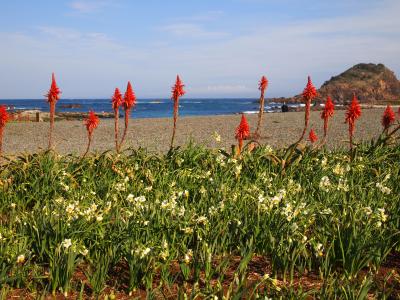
(203, 190)
(217, 137)
(324, 162)
(319, 248)
(130, 198)
(188, 256)
(66, 243)
(20, 259)
(238, 170)
(140, 199)
(325, 183)
(383, 189)
(382, 215)
(145, 252)
(187, 230)
(368, 210)
(202, 220)
(339, 170)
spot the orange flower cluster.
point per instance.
(312, 136)
(117, 100)
(54, 93)
(91, 122)
(129, 97)
(242, 132)
(3, 120)
(52, 97)
(262, 85)
(3, 116)
(388, 117)
(327, 113)
(310, 91)
(329, 109)
(352, 114)
(177, 89)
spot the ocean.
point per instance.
(151, 108)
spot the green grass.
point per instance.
(199, 222)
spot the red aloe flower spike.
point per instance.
(91, 123)
(177, 92)
(3, 120)
(129, 103)
(117, 101)
(327, 113)
(312, 136)
(3, 116)
(352, 114)
(129, 97)
(388, 117)
(397, 127)
(262, 86)
(309, 93)
(242, 132)
(177, 89)
(54, 93)
(52, 97)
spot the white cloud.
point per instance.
(210, 15)
(73, 35)
(227, 88)
(87, 7)
(60, 32)
(219, 89)
(193, 26)
(191, 31)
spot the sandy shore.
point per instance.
(280, 129)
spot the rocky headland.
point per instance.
(373, 84)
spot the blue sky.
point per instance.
(220, 48)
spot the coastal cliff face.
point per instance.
(372, 83)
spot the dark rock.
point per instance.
(70, 106)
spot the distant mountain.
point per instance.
(372, 83)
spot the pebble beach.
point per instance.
(279, 130)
